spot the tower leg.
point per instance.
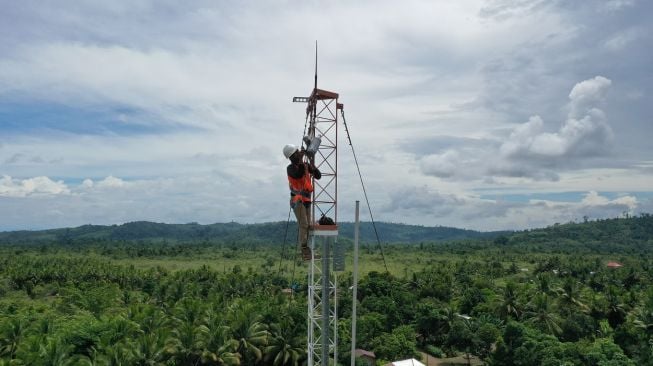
(322, 312)
(326, 289)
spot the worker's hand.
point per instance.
(311, 167)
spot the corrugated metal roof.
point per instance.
(410, 362)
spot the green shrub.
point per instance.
(434, 351)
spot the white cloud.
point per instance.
(584, 133)
(442, 165)
(427, 206)
(523, 139)
(204, 198)
(110, 182)
(588, 136)
(586, 94)
(593, 200)
(10, 187)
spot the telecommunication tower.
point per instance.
(322, 121)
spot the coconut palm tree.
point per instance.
(189, 334)
(543, 283)
(540, 313)
(190, 311)
(220, 347)
(94, 358)
(148, 317)
(570, 295)
(248, 331)
(285, 348)
(188, 342)
(150, 349)
(120, 328)
(616, 310)
(509, 306)
(117, 354)
(251, 337)
(11, 334)
(54, 353)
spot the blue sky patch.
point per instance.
(40, 117)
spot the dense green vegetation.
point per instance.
(266, 233)
(538, 297)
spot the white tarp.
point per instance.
(410, 362)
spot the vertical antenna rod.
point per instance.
(315, 87)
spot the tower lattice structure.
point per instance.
(322, 115)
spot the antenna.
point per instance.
(315, 64)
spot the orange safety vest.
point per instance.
(300, 189)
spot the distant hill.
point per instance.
(272, 232)
(630, 233)
(625, 234)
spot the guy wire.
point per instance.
(342, 111)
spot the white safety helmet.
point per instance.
(289, 150)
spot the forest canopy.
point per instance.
(538, 297)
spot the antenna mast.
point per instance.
(315, 86)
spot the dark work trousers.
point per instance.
(303, 215)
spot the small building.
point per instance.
(614, 265)
(368, 357)
(409, 362)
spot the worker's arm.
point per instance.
(315, 171)
(295, 171)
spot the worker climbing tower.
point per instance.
(322, 123)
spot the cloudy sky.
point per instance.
(476, 114)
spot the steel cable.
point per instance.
(342, 111)
(283, 247)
